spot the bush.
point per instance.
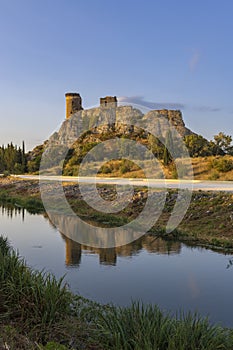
(6, 173)
(214, 175)
(106, 169)
(223, 164)
(126, 166)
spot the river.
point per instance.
(172, 274)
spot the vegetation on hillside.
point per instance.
(14, 160)
(197, 147)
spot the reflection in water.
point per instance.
(63, 216)
(172, 275)
(73, 252)
(108, 256)
(12, 211)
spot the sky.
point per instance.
(171, 54)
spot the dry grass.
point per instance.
(203, 169)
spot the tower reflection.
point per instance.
(108, 256)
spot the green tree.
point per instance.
(12, 159)
(197, 145)
(156, 146)
(23, 158)
(223, 142)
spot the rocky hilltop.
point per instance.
(83, 129)
(123, 120)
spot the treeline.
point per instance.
(13, 159)
(198, 146)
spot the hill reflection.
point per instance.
(108, 256)
(70, 231)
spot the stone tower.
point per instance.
(73, 103)
(108, 101)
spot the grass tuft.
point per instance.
(147, 327)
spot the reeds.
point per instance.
(146, 327)
(33, 297)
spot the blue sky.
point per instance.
(170, 53)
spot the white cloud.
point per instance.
(139, 100)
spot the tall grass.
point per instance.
(34, 297)
(146, 327)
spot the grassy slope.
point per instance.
(203, 169)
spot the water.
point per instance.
(171, 274)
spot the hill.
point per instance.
(85, 129)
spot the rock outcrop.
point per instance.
(123, 119)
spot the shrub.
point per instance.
(6, 173)
(106, 169)
(126, 166)
(214, 175)
(223, 164)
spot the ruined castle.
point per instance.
(74, 107)
(74, 103)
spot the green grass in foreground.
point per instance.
(39, 312)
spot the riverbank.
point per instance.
(39, 312)
(208, 221)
